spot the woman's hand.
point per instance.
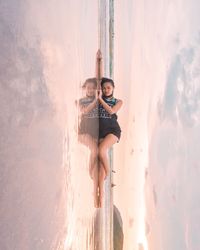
(99, 55)
(99, 65)
(96, 94)
(100, 95)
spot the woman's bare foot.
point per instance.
(91, 172)
(105, 177)
(96, 199)
(100, 199)
(106, 171)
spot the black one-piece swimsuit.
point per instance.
(98, 122)
(108, 123)
(89, 123)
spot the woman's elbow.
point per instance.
(112, 112)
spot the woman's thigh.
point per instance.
(88, 140)
(107, 142)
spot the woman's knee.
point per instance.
(101, 170)
(94, 154)
(101, 152)
(94, 149)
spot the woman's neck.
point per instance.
(108, 97)
(89, 96)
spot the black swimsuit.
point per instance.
(89, 123)
(98, 122)
(108, 123)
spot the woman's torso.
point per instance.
(89, 122)
(105, 119)
(98, 120)
(84, 102)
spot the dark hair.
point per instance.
(104, 79)
(90, 80)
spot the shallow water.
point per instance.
(48, 49)
(45, 58)
(159, 80)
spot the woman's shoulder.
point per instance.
(116, 100)
(112, 101)
(85, 100)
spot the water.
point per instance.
(158, 77)
(48, 49)
(44, 51)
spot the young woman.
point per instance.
(109, 129)
(98, 128)
(88, 122)
(88, 129)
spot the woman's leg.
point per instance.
(104, 146)
(101, 177)
(96, 186)
(92, 144)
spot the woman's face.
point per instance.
(107, 89)
(90, 89)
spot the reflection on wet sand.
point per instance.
(98, 128)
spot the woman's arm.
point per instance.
(109, 109)
(99, 67)
(87, 109)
